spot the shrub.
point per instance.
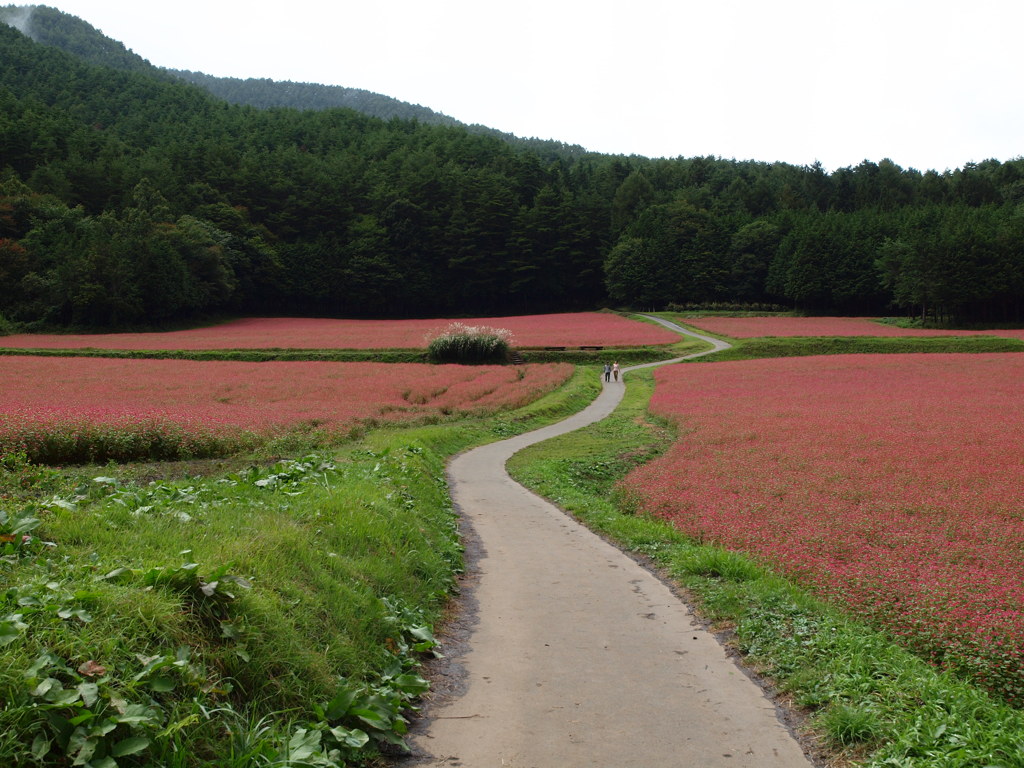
(459, 343)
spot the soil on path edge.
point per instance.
(566, 652)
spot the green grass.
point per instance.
(327, 545)
(263, 615)
(870, 702)
(625, 355)
(796, 346)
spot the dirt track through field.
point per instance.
(578, 656)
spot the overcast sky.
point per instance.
(930, 84)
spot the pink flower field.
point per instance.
(892, 484)
(757, 327)
(575, 329)
(40, 395)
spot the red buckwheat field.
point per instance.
(892, 484)
(48, 404)
(756, 327)
(570, 329)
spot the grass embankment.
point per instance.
(574, 355)
(869, 701)
(273, 615)
(798, 346)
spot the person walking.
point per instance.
(615, 371)
(607, 372)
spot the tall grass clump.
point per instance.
(460, 343)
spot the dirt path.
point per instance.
(577, 655)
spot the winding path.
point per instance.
(577, 655)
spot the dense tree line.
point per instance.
(129, 198)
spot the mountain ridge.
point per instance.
(56, 28)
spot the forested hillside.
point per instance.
(130, 198)
(50, 26)
(265, 93)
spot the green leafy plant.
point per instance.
(16, 534)
(19, 472)
(85, 718)
(361, 714)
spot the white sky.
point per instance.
(930, 84)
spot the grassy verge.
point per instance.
(797, 346)
(625, 355)
(268, 614)
(867, 700)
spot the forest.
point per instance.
(130, 198)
